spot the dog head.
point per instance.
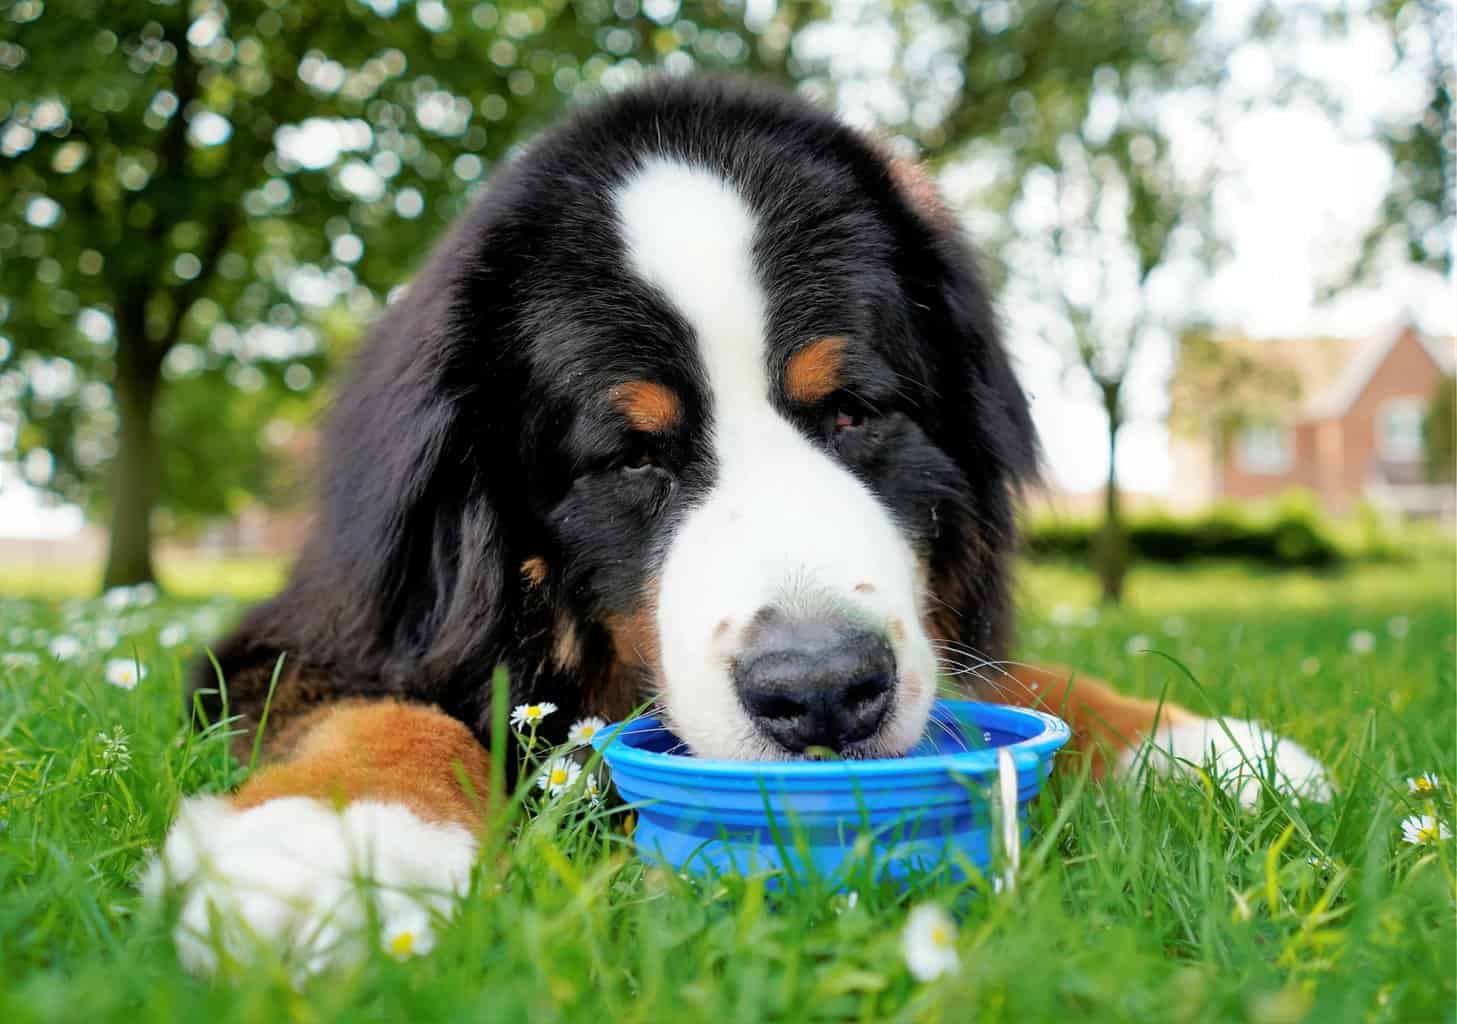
(701, 401)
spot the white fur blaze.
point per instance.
(785, 525)
(297, 877)
(1237, 753)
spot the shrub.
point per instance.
(1289, 535)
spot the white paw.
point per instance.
(1237, 754)
(301, 878)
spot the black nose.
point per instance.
(814, 683)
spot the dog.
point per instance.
(702, 402)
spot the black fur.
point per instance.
(474, 432)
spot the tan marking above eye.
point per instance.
(533, 571)
(814, 371)
(648, 406)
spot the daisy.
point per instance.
(584, 729)
(1422, 829)
(172, 634)
(117, 598)
(929, 943)
(65, 647)
(1424, 784)
(558, 775)
(407, 937)
(125, 673)
(1398, 626)
(1138, 644)
(531, 714)
(1363, 641)
(593, 788)
(21, 659)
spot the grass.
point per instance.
(1158, 902)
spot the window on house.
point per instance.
(1265, 448)
(1399, 430)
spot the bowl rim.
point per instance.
(1054, 732)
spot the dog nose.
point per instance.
(814, 683)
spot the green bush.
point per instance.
(1290, 534)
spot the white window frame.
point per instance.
(1266, 449)
(1393, 448)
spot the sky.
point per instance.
(1297, 192)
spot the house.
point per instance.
(1342, 418)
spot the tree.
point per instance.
(1439, 431)
(217, 193)
(1109, 243)
(1222, 386)
(1420, 210)
(201, 201)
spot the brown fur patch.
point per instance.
(566, 647)
(379, 750)
(533, 571)
(920, 191)
(636, 657)
(1104, 722)
(648, 406)
(815, 370)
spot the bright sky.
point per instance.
(1298, 194)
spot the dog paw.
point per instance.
(1238, 755)
(306, 881)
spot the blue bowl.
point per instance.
(928, 810)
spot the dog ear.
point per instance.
(985, 421)
(408, 536)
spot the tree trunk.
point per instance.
(1112, 554)
(134, 480)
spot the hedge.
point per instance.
(1287, 537)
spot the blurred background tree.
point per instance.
(205, 200)
(202, 202)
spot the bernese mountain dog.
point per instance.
(702, 402)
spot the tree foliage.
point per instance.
(201, 201)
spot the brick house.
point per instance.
(1342, 418)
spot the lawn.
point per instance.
(1158, 902)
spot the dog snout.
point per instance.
(814, 683)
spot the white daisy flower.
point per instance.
(1424, 784)
(593, 788)
(144, 593)
(584, 729)
(117, 598)
(124, 672)
(172, 634)
(929, 943)
(1363, 641)
(409, 935)
(1138, 644)
(1174, 625)
(1310, 666)
(16, 636)
(106, 638)
(21, 659)
(65, 647)
(1398, 626)
(558, 775)
(531, 714)
(1424, 829)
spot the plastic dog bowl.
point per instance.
(928, 809)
